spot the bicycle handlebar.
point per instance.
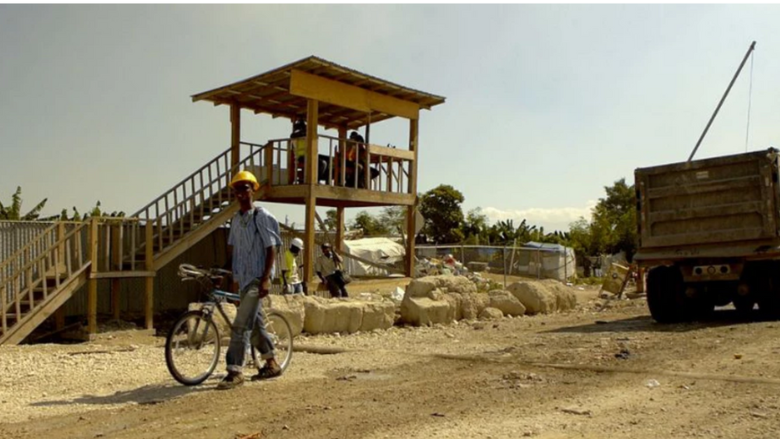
(191, 271)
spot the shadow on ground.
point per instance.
(719, 318)
(149, 394)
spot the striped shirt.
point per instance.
(250, 235)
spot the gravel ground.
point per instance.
(603, 370)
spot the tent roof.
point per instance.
(546, 246)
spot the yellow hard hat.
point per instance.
(245, 176)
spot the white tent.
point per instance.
(381, 251)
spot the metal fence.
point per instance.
(540, 263)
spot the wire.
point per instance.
(750, 99)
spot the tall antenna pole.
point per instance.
(750, 50)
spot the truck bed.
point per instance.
(723, 200)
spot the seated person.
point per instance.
(357, 160)
(298, 137)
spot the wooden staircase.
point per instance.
(32, 288)
(40, 277)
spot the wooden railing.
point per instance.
(387, 170)
(194, 199)
(62, 253)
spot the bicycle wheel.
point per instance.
(192, 348)
(279, 330)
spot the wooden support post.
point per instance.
(340, 229)
(149, 290)
(92, 307)
(59, 315)
(116, 262)
(411, 210)
(640, 280)
(149, 303)
(59, 318)
(115, 305)
(269, 164)
(410, 227)
(92, 283)
(340, 157)
(308, 259)
(235, 135)
(413, 134)
(312, 155)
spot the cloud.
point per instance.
(557, 218)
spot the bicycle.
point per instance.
(193, 345)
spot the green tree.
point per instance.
(614, 219)
(475, 227)
(612, 227)
(393, 219)
(371, 226)
(13, 211)
(330, 220)
(441, 209)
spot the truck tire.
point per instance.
(769, 298)
(744, 305)
(767, 287)
(665, 295)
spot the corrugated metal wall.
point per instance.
(170, 293)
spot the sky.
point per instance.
(546, 104)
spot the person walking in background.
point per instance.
(290, 277)
(328, 268)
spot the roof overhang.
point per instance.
(347, 98)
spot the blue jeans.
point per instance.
(248, 328)
(297, 289)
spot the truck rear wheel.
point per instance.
(744, 305)
(665, 294)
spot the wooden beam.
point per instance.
(340, 158)
(391, 152)
(115, 304)
(413, 138)
(149, 303)
(59, 314)
(340, 229)
(92, 306)
(364, 195)
(116, 264)
(312, 116)
(92, 283)
(345, 95)
(235, 134)
(59, 318)
(308, 242)
(149, 284)
(410, 235)
(122, 274)
(410, 212)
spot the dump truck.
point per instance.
(709, 235)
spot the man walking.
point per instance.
(328, 268)
(290, 277)
(254, 236)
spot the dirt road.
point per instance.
(591, 373)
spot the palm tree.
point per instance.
(13, 212)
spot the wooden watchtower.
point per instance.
(346, 173)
